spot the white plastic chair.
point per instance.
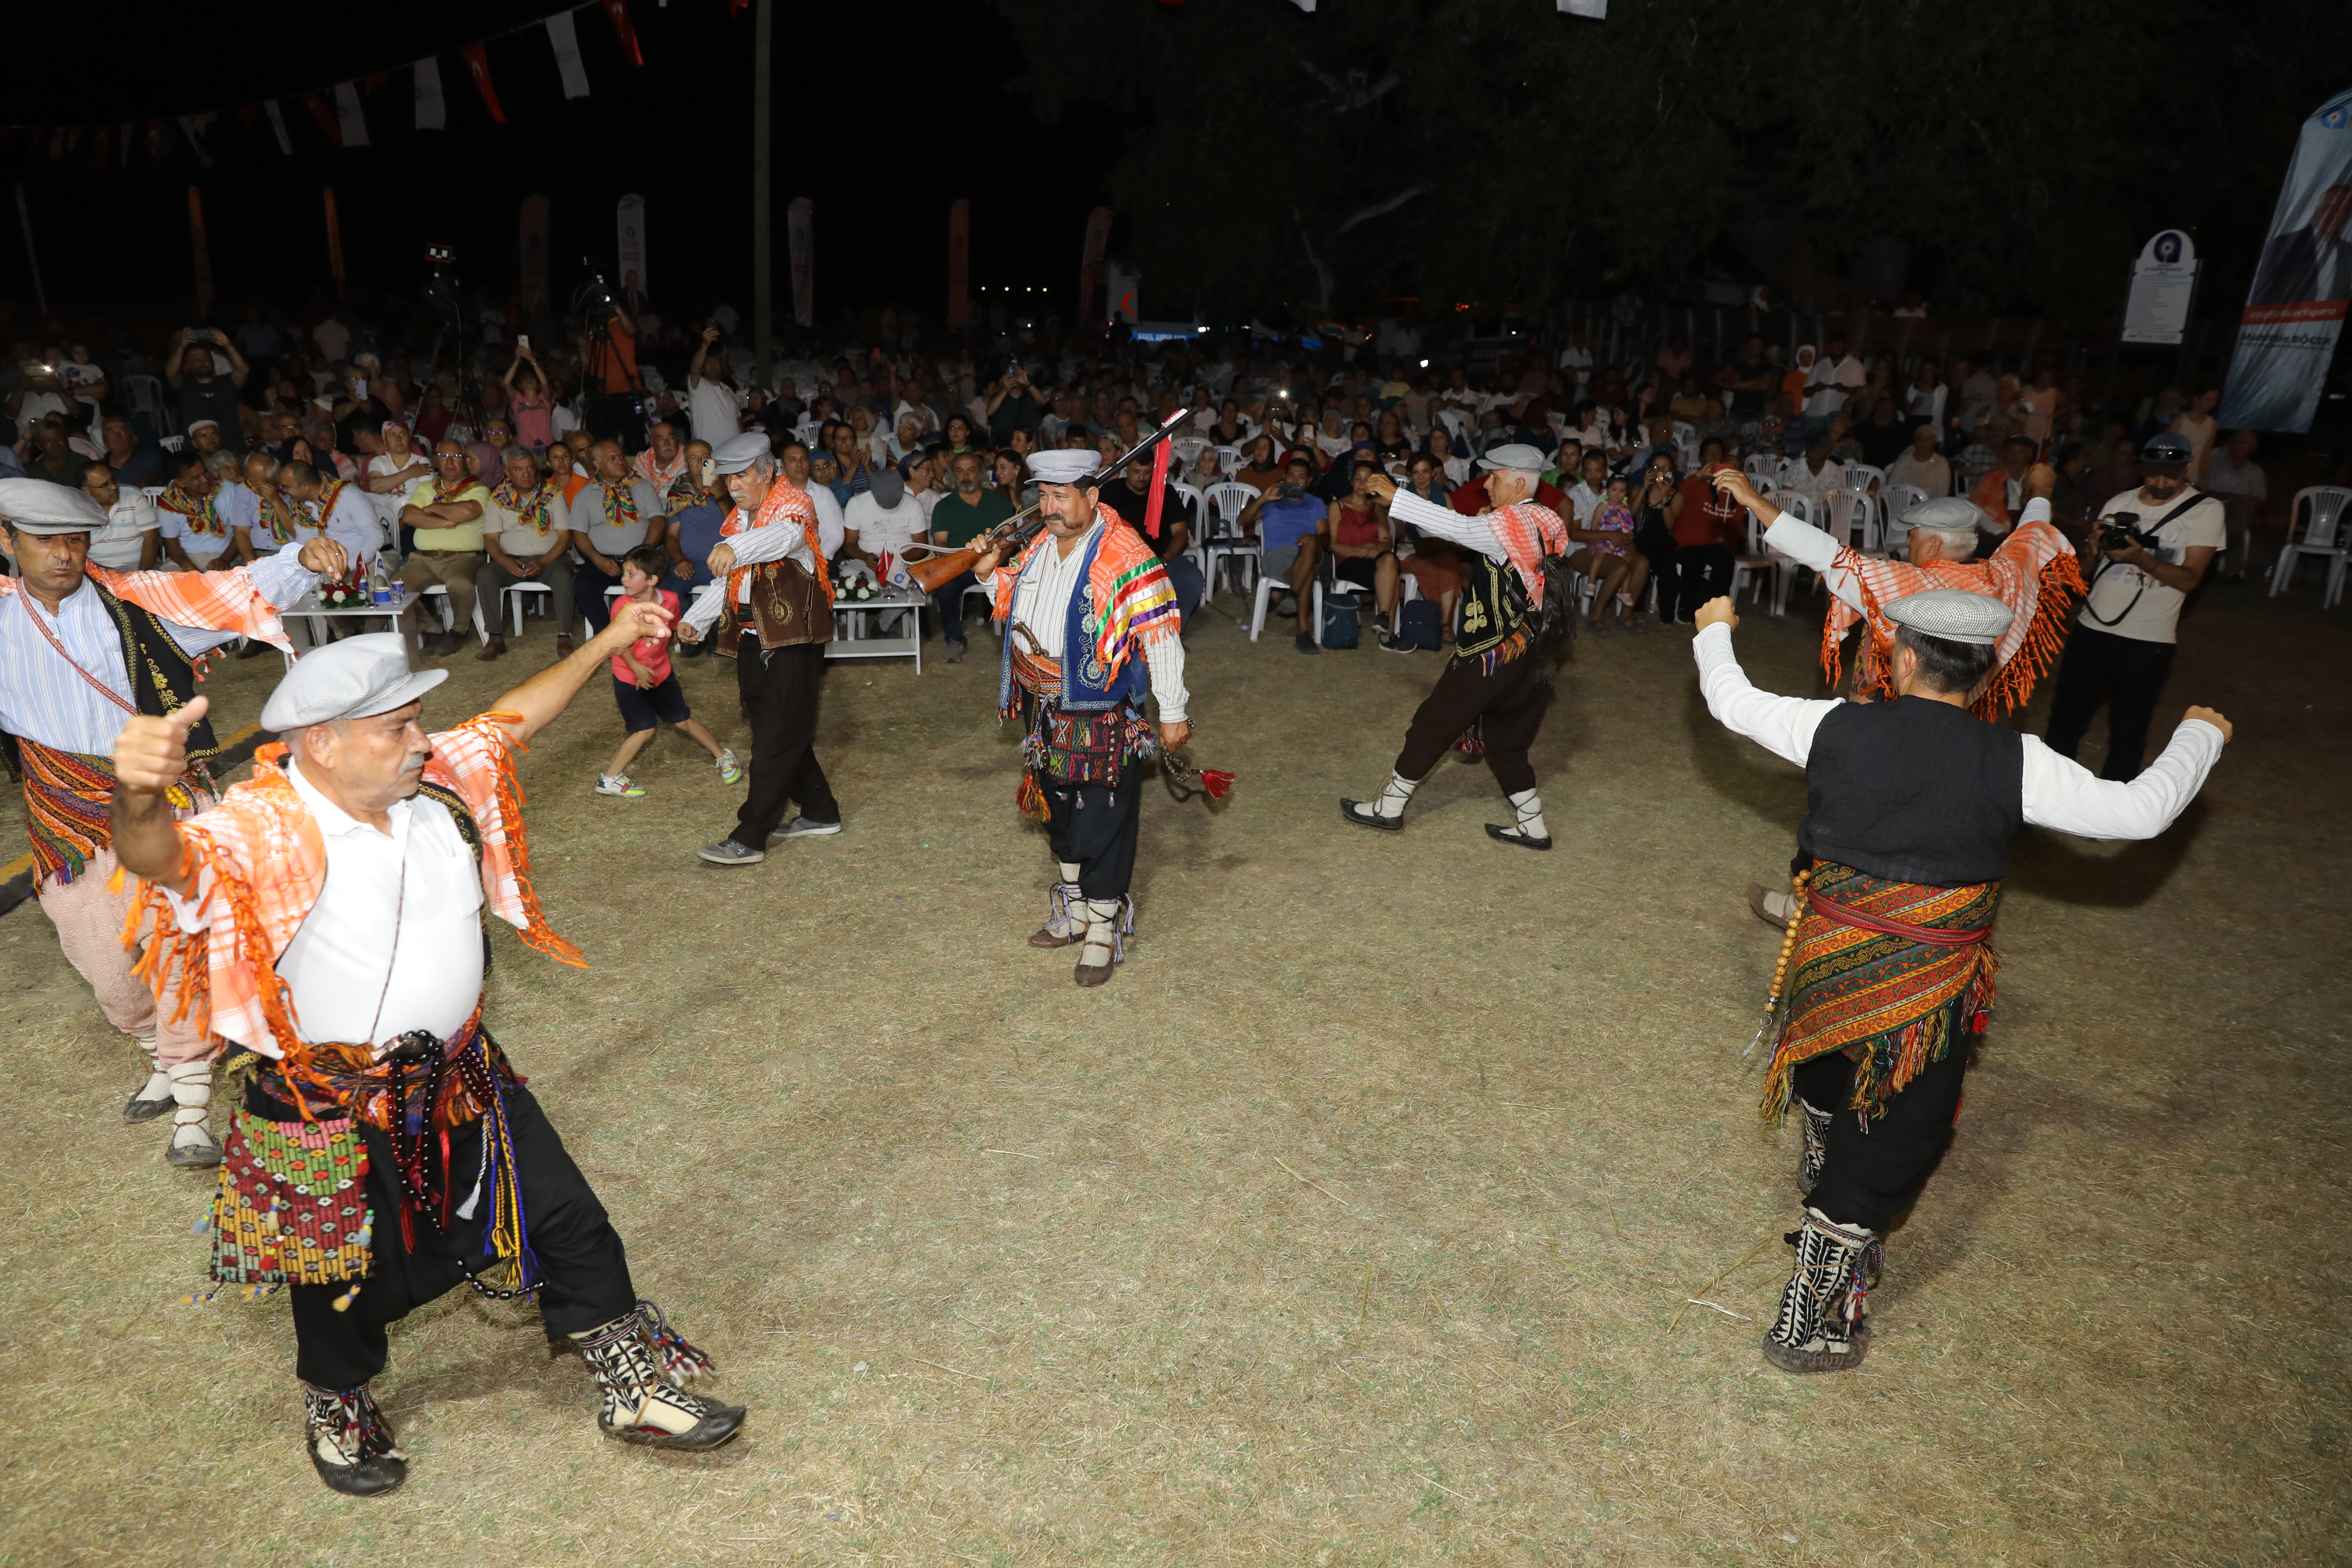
(1851, 512)
(1754, 565)
(1862, 477)
(145, 395)
(512, 598)
(1220, 529)
(2321, 535)
(449, 620)
(1268, 586)
(1894, 500)
(1188, 450)
(1763, 466)
(1229, 460)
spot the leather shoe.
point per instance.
(1362, 815)
(493, 648)
(1757, 892)
(369, 1477)
(1502, 835)
(1043, 937)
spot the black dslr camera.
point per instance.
(2122, 530)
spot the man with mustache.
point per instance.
(329, 920)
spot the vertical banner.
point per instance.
(201, 250)
(335, 244)
(432, 111)
(625, 30)
(348, 118)
(1125, 283)
(278, 126)
(32, 255)
(534, 251)
(959, 265)
(565, 38)
(1097, 241)
(800, 232)
(478, 66)
(2163, 286)
(2294, 312)
(630, 221)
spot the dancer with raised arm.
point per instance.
(1887, 969)
(83, 650)
(1496, 685)
(326, 917)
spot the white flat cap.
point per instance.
(738, 453)
(354, 678)
(1064, 466)
(37, 506)
(1518, 457)
(1944, 511)
(1954, 615)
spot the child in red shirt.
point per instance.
(645, 685)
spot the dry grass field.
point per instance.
(1361, 1220)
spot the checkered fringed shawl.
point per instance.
(786, 501)
(260, 862)
(1529, 532)
(1128, 578)
(2033, 573)
(216, 601)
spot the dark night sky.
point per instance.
(884, 114)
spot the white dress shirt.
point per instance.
(2058, 793)
(1041, 602)
(394, 941)
(43, 700)
(781, 540)
(1470, 533)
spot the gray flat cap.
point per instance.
(1518, 457)
(1952, 614)
(1944, 511)
(1064, 466)
(354, 678)
(37, 506)
(738, 453)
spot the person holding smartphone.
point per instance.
(194, 374)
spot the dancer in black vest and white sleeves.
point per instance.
(1888, 966)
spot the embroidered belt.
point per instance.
(1886, 925)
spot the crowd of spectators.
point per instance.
(545, 452)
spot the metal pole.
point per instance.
(763, 248)
(32, 256)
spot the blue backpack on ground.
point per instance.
(1342, 626)
(1417, 623)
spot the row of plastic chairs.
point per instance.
(2322, 533)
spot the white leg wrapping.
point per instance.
(191, 1092)
(1105, 931)
(1530, 807)
(159, 1082)
(1393, 797)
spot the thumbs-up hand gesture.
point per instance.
(151, 754)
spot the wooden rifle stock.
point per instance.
(934, 570)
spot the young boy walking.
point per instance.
(645, 685)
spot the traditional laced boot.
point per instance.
(193, 1147)
(154, 1096)
(1528, 832)
(1063, 921)
(1386, 812)
(352, 1444)
(642, 1366)
(1108, 921)
(1814, 1152)
(1821, 1326)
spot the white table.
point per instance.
(395, 618)
(852, 626)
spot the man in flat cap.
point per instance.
(1886, 973)
(772, 598)
(1092, 626)
(328, 919)
(1493, 691)
(82, 650)
(2034, 573)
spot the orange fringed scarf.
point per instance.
(2034, 573)
(266, 862)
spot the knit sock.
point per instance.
(1392, 798)
(1782, 904)
(1530, 813)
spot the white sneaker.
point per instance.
(730, 770)
(618, 783)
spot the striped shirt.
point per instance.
(43, 700)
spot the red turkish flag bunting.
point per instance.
(478, 62)
(324, 116)
(1158, 488)
(624, 30)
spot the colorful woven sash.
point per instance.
(293, 1203)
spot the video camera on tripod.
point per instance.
(615, 411)
(443, 292)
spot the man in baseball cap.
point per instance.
(334, 904)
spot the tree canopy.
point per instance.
(2019, 150)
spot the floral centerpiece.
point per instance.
(853, 583)
(348, 592)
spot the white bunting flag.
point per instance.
(430, 114)
(188, 128)
(566, 39)
(1597, 10)
(348, 115)
(278, 124)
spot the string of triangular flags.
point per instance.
(337, 111)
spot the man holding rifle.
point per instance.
(1091, 624)
(775, 589)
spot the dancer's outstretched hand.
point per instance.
(1718, 612)
(151, 751)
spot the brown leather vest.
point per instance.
(788, 607)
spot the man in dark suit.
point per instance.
(2313, 262)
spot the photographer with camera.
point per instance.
(2147, 549)
(192, 375)
(1013, 404)
(608, 359)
